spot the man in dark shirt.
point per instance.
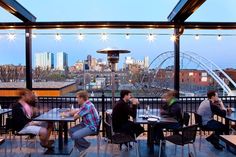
(121, 113)
(209, 107)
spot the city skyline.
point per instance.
(208, 46)
(60, 62)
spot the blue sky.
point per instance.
(221, 52)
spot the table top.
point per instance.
(230, 139)
(3, 111)
(153, 114)
(231, 116)
(55, 115)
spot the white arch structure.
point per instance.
(206, 64)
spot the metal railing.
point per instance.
(189, 104)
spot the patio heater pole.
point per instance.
(113, 83)
(113, 58)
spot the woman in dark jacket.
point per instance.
(172, 108)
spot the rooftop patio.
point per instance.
(190, 104)
(177, 18)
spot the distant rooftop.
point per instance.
(37, 85)
(40, 88)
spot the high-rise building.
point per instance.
(93, 63)
(62, 60)
(129, 62)
(79, 65)
(146, 62)
(45, 60)
(89, 59)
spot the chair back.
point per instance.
(99, 125)
(9, 123)
(189, 134)
(108, 127)
(115, 137)
(186, 118)
(198, 119)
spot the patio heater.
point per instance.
(113, 58)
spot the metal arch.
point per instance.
(202, 62)
(216, 67)
(210, 71)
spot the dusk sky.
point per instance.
(220, 52)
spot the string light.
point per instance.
(34, 35)
(27, 34)
(11, 36)
(104, 37)
(81, 37)
(173, 37)
(151, 37)
(58, 37)
(197, 37)
(127, 36)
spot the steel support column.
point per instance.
(177, 33)
(28, 57)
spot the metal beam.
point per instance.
(119, 25)
(183, 9)
(17, 10)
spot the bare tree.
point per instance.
(12, 73)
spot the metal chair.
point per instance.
(198, 120)
(11, 131)
(98, 135)
(187, 135)
(184, 122)
(118, 138)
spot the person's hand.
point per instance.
(33, 123)
(64, 114)
(72, 112)
(229, 110)
(76, 116)
(163, 112)
(134, 101)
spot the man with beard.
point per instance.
(120, 115)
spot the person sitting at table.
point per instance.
(22, 114)
(121, 113)
(172, 108)
(88, 125)
(210, 106)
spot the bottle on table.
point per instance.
(147, 110)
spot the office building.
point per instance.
(62, 61)
(44, 60)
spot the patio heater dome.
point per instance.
(113, 54)
(113, 58)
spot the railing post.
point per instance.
(103, 113)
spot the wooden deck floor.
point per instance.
(11, 149)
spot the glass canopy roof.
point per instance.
(122, 10)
